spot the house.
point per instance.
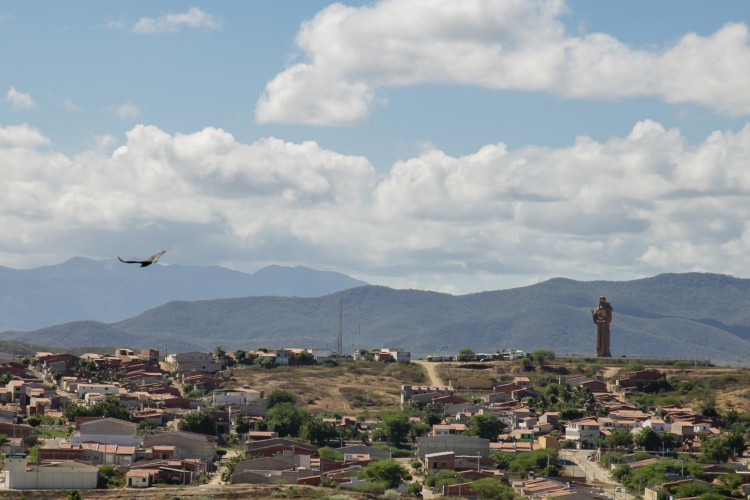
(275, 446)
(473, 383)
(584, 432)
(448, 429)
(285, 468)
(238, 396)
(391, 354)
(656, 424)
(141, 478)
(442, 460)
(193, 362)
(186, 444)
(505, 392)
(67, 475)
(422, 393)
(101, 389)
(460, 445)
(106, 431)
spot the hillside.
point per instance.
(679, 315)
(88, 290)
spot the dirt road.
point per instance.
(432, 375)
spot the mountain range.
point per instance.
(690, 315)
(107, 291)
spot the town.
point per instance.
(501, 425)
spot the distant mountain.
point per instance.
(83, 289)
(682, 315)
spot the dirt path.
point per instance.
(432, 375)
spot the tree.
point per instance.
(648, 439)
(243, 425)
(221, 355)
(490, 487)
(396, 428)
(329, 453)
(285, 419)
(198, 422)
(485, 426)
(317, 431)
(466, 355)
(281, 396)
(619, 438)
(542, 356)
(389, 471)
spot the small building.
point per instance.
(442, 460)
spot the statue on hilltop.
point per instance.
(602, 317)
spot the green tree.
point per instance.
(389, 471)
(648, 439)
(329, 453)
(198, 422)
(317, 431)
(466, 355)
(490, 487)
(619, 438)
(108, 476)
(396, 428)
(543, 356)
(243, 425)
(34, 420)
(485, 426)
(285, 419)
(281, 396)
(226, 475)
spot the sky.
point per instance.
(427, 144)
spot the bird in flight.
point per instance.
(147, 262)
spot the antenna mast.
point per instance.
(340, 338)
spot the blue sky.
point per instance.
(452, 146)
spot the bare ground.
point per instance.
(347, 388)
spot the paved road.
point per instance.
(595, 474)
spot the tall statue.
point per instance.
(602, 317)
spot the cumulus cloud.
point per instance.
(19, 100)
(352, 52)
(623, 208)
(194, 18)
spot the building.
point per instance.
(68, 475)
(584, 432)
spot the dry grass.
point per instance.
(347, 388)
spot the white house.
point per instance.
(66, 475)
(107, 431)
(102, 389)
(582, 431)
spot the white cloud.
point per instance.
(623, 208)
(126, 111)
(71, 105)
(21, 136)
(194, 18)
(496, 44)
(19, 100)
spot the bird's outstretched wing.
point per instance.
(129, 261)
(147, 262)
(155, 258)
